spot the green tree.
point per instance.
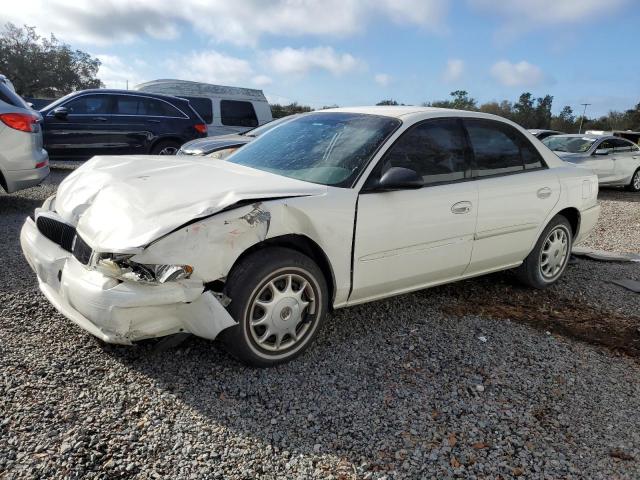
(524, 111)
(502, 109)
(388, 102)
(542, 116)
(565, 121)
(44, 67)
(460, 100)
(279, 111)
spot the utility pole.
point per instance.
(583, 113)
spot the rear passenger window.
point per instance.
(129, 105)
(434, 149)
(622, 146)
(89, 105)
(203, 107)
(499, 148)
(240, 114)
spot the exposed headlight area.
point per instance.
(121, 267)
(222, 154)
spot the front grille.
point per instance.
(82, 251)
(56, 231)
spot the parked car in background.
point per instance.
(117, 122)
(258, 247)
(224, 145)
(226, 110)
(23, 161)
(7, 82)
(615, 160)
(627, 134)
(540, 134)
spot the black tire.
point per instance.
(634, 185)
(164, 147)
(246, 286)
(532, 272)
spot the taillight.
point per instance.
(200, 127)
(24, 122)
(42, 164)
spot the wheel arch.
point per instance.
(304, 245)
(572, 215)
(168, 138)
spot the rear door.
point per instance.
(85, 130)
(516, 192)
(626, 159)
(408, 239)
(130, 130)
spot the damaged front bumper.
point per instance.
(115, 311)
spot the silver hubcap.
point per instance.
(168, 151)
(555, 251)
(278, 315)
(636, 180)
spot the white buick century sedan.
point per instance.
(332, 209)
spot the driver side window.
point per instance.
(605, 145)
(435, 150)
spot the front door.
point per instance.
(409, 239)
(602, 163)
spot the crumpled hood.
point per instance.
(120, 203)
(210, 144)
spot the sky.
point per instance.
(357, 52)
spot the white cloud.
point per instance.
(382, 79)
(240, 22)
(453, 71)
(521, 74)
(210, 67)
(526, 15)
(262, 80)
(299, 61)
(115, 72)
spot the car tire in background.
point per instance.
(279, 297)
(634, 185)
(548, 259)
(165, 147)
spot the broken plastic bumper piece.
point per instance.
(120, 311)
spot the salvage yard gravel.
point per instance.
(482, 379)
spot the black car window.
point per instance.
(89, 105)
(203, 106)
(499, 148)
(160, 108)
(620, 145)
(605, 145)
(434, 149)
(130, 105)
(240, 114)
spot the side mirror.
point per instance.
(400, 178)
(601, 151)
(60, 112)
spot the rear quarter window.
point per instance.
(160, 108)
(11, 98)
(203, 107)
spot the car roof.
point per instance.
(406, 112)
(591, 136)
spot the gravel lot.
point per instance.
(393, 389)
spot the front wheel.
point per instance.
(549, 258)
(165, 147)
(634, 186)
(279, 298)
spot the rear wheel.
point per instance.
(165, 147)
(634, 186)
(279, 298)
(549, 258)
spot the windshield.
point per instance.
(256, 132)
(326, 148)
(559, 143)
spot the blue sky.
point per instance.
(354, 52)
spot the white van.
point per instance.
(224, 109)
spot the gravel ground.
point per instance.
(392, 389)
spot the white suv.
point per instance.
(23, 161)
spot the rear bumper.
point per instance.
(588, 220)
(114, 311)
(21, 179)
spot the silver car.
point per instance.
(23, 161)
(615, 160)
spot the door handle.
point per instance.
(544, 192)
(151, 120)
(100, 119)
(461, 207)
